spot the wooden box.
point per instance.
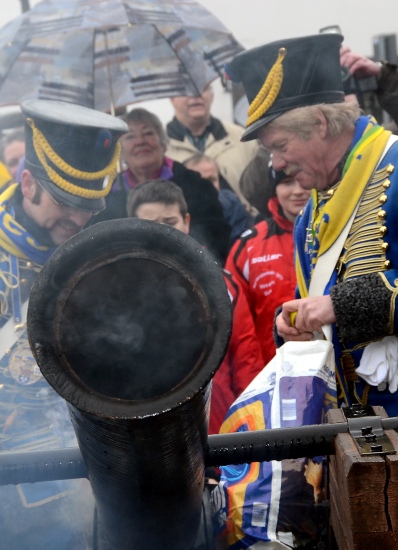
(363, 493)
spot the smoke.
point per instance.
(54, 514)
(126, 322)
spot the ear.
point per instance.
(28, 185)
(322, 125)
(187, 221)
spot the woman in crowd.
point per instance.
(262, 259)
(143, 154)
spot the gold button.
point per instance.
(28, 265)
(386, 184)
(383, 198)
(383, 230)
(382, 214)
(330, 192)
(24, 281)
(390, 169)
(385, 246)
(387, 264)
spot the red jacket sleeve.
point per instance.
(244, 350)
(242, 362)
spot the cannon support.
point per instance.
(129, 321)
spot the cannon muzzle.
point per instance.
(128, 322)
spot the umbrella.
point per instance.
(106, 54)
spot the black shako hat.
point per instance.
(72, 151)
(307, 69)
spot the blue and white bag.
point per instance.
(273, 505)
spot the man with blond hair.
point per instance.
(346, 242)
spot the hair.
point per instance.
(197, 158)
(163, 191)
(36, 199)
(142, 116)
(302, 120)
(17, 134)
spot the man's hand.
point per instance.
(359, 65)
(310, 314)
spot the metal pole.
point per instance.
(34, 466)
(223, 449)
(25, 5)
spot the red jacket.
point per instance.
(242, 362)
(262, 262)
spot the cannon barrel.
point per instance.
(128, 322)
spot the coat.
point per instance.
(242, 362)
(208, 224)
(222, 144)
(262, 263)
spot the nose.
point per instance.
(278, 162)
(140, 137)
(80, 217)
(297, 189)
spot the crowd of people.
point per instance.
(268, 202)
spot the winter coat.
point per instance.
(222, 144)
(263, 265)
(242, 362)
(208, 224)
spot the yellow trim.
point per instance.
(350, 190)
(394, 293)
(363, 251)
(44, 150)
(269, 90)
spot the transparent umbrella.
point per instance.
(106, 54)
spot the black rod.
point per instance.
(222, 449)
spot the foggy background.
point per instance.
(256, 22)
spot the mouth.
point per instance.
(196, 105)
(300, 202)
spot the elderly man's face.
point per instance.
(189, 110)
(305, 160)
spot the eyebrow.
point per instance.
(278, 143)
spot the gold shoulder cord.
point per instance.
(44, 150)
(269, 91)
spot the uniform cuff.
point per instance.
(362, 308)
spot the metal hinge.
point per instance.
(367, 430)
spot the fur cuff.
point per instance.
(362, 308)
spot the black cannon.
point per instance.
(128, 322)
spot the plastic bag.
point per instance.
(276, 504)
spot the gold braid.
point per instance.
(269, 91)
(43, 149)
